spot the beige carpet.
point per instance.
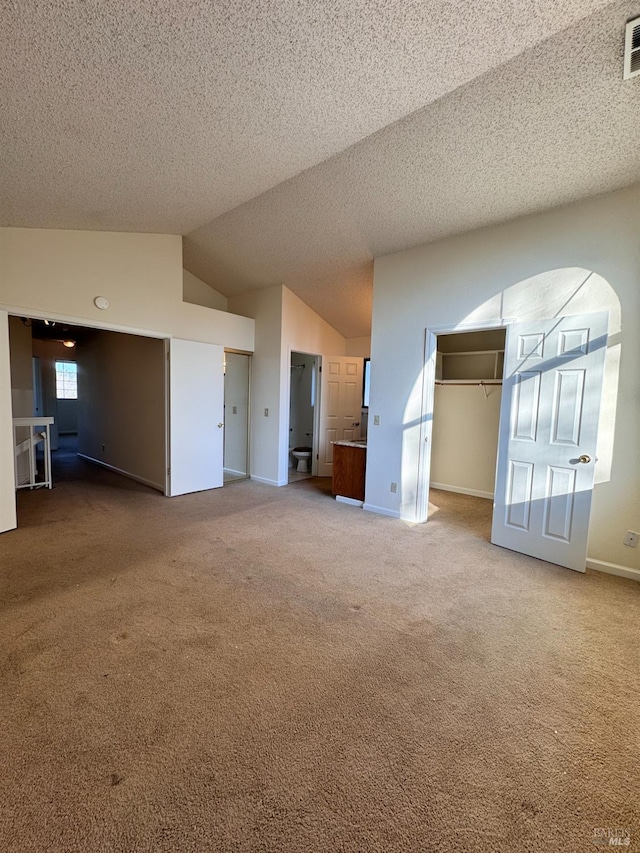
(260, 669)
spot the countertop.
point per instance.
(362, 444)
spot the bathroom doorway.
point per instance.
(303, 399)
(237, 373)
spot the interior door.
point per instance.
(548, 429)
(7, 482)
(340, 406)
(196, 400)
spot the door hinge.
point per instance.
(168, 472)
(317, 456)
(320, 369)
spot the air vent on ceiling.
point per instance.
(632, 49)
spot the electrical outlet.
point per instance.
(235, 410)
(266, 413)
(394, 487)
(103, 448)
(631, 539)
(376, 420)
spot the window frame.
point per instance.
(61, 379)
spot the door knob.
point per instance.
(584, 458)
(220, 425)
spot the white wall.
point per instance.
(121, 404)
(198, 292)
(57, 274)
(582, 258)
(465, 438)
(283, 324)
(358, 346)
(21, 384)
(303, 331)
(265, 307)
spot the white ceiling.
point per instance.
(252, 124)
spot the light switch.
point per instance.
(376, 420)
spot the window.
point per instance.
(366, 383)
(66, 380)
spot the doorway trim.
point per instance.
(249, 396)
(316, 411)
(428, 399)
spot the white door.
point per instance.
(548, 428)
(340, 406)
(195, 429)
(7, 483)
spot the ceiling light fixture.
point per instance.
(69, 343)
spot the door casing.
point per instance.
(427, 405)
(428, 396)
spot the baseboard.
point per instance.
(461, 490)
(614, 569)
(128, 474)
(351, 501)
(382, 510)
(266, 481)
(234, 473)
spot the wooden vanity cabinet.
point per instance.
(349, 465)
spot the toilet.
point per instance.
(303, 455)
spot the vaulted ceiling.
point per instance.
(293, 142)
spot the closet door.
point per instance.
(548, 430)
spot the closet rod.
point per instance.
(458, 382)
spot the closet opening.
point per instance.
(466, 415)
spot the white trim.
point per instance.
(128, 474)
(249, 395)
(351, 501)
(76, 320)
(266, 481)
(462, 491)
(234, 473)
(382, 510)
(448, 329)
(614, 569)
(167, 416)
(428, 401)
(315, 438)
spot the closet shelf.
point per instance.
(469, 382)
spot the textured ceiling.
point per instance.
(158, 115)
(162, 116)
(551, 126)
